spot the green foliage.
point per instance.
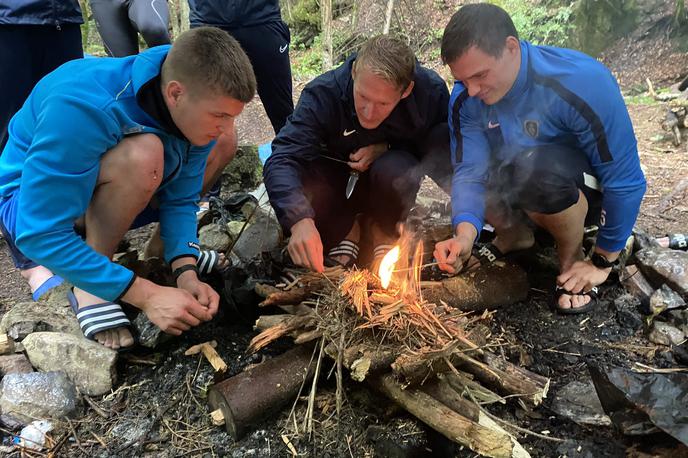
(306, 62)
(540, 23)
(599, 23)
(304, 22)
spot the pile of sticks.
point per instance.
(432, 359)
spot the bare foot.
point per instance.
(36, 276)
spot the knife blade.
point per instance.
(351, 184)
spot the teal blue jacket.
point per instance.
(56, 141)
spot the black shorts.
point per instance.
(545, 179)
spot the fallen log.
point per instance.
(251, 396)
(485, 440)
(362, 360)
(486, 287)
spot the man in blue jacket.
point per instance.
(36, 37)
(108, 142)
(380, 116)
(542, 134)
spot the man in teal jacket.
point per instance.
(108, 142)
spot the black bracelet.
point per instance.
(186, 267)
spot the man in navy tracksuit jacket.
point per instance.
(36, 37)
(104, 142)
(380, 114)
(541, 132)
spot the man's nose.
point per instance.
(473, 89)
(227, 125)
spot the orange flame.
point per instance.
(387, 266)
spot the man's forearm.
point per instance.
(466, 231)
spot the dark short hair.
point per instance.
(483, 25)
(209, 60)
(389, 58)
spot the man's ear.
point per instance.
(512, 44)
(408, 90)
(353, 71)
(173, 91)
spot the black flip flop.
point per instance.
(560, 290)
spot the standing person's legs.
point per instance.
(118, 34)
(267, 46)
(151, 18)
(28, 53)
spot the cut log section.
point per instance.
(251, 396)
(6, 344)
(487, 287)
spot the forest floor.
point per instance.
(160, 395)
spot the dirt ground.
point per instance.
(159, 405)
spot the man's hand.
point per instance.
(174, 310)
(202, 292)
(305, 246)
(363, 158)
(452, 254)
(582, 276)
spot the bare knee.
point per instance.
(137, 160)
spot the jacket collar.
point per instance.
(521, 82)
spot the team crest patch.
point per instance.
(531, 128)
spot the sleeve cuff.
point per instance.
(610, 244)
(467, 218)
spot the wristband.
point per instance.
(186, 267)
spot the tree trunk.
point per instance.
(388, 16)
(326, 10)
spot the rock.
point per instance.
(636, 284)
(662, 265)
(88, 364)
(627, 312)
(679, 318)
(234, 228)
(578, 402)
(14, 364)
(149, 335)
(643, 240)
(245, 171)
(27, 317)
(262, 234)
(665, 334)
(214, 237)
(27, 397)
(665, 299)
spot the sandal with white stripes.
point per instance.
(98, 317)
(345, 254)
(210, 261)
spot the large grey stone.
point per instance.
(214, 237)
(578, 402)
(88, 364)
(665, 299)
(27, 397)
(262, 234)
(27, 317)
(635, 283)
(661, 265)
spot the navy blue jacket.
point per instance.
(325, 122)
(40, 12)
(233, 13)
(574, 101)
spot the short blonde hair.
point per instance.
(388, 58)
(207, 59)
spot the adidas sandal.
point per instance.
(678, 242)
(347, 250)
(98, 317)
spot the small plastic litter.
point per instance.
(33, 435)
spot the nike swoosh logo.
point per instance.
(492, 125)
(348, 132)
(284, 48)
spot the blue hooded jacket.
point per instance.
(56, 141)
(40, 12)
(575, 101)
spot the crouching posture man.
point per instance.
(107, 143)
(358, 143)
(537, 133)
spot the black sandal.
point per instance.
(560, 291)
(346, 249)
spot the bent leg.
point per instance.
(129, 175)
(112, 19)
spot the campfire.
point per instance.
(395, 332)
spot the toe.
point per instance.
(125, 338)
(565, 301)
